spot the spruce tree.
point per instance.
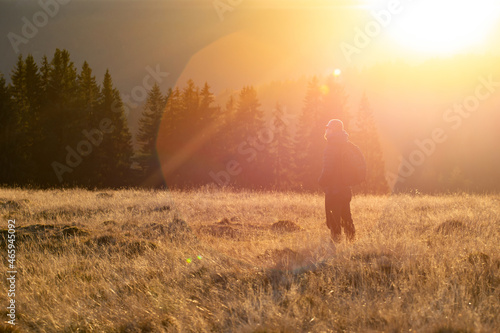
(223, 144)
(88, 113)
(26, 92)
(188, 130)
(207, 110)
(209, 152)
(60, 120)
(18, 125)
(35, 136)
(115, 152)
(228, 119)
(282, 151)
(190, 116)
(248, 122)
(307, 137)
(8, 167)
(88, 95)
(169, 136)
(45, 74)
(249, 116)
(228, 134)
(147, 135)
(366, 137)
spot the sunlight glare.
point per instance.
(445, 27)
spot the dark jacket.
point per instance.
(342, 161)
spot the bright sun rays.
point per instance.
(443, 27)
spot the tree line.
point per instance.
(61, 128)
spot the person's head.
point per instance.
(334, 126)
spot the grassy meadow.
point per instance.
(229, 261)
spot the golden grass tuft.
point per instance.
(227, 261)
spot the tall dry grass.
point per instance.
(125, 261)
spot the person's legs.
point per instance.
(347, 221)
(333, 213)
(328, 211)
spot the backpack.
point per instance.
(353, 165)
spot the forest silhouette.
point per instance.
(61, 128)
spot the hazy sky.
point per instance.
(233, 42)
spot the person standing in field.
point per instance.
(343, 166)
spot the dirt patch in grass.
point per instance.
(113, 244)
(233, 229)
(175, 231)
(52, 214)
(162, 209)
(44, 231)
(285, 258)
(14, 204)
(226, 221)
(451, 226)
(478, 258)
(109, 223)
(104, 195)
(285, 226)
(221, 231)
(52, 238)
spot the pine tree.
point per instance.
(249, 116)
(147, 135)
(248, 122)
(88, 116)
(150, 121)
(26, 92)
(227, 137)
(88, 95)
(62, 94)
(47, 112)
(8, 167)
(366, 137)
(115, 152)
(189, 126)
(45, 74)
(228, 119)
(282, 151)
(192, 122)
(169, 139)
(18, 127)
(209, 151)
(207, 111)
(35, 136)
(307, 138)
(60, 119)
(190, 116)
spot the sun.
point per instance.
(443, 27)
(446, 27)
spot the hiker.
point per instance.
(343, 167)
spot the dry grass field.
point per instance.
(224, 261)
